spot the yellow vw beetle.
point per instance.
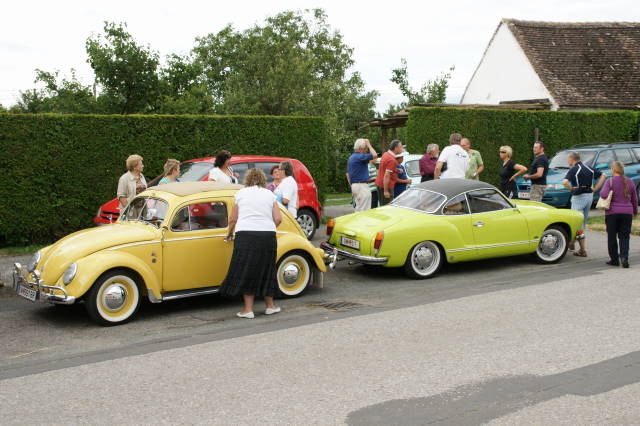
(168, 244)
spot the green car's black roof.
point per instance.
(452, 187)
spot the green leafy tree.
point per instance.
(183, 88)
(61, 95)
(432, 92)
(126, 71)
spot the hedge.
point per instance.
(489, 129)
(58, 169)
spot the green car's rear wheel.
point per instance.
(553, 245)
(114, 298)
(424, 260)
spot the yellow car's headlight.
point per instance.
(33, 263)
(70, 273)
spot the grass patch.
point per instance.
(339, 199)
(20, 250)
(325, 219)
(597, 223)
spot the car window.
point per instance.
(456, 205)
(625, 156)
(636, 151)
(241, 169)
(486, 200)
(605, 159)
(413, 168)
(194, 172)
(266, 168)
(145, 209)
(560, 160)
(210, 215)
(420, 199)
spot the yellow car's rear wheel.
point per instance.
(424, 260)
(293, 273)
(114, 298)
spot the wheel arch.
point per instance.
(565, 226)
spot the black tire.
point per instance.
(294, 274)
(553, 245)
(308, 222)
(424, 260)
(114, 298)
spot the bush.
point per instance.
(60, 168)
(489, 129)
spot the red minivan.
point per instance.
(309, 209)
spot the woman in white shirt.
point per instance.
(287, 191)
(252, 271)
(222, 171)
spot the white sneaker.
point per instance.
(248, 315)
(271, 311)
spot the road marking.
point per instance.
(28, 353)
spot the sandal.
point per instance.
(580, 253)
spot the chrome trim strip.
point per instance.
(207, 290)
(142, 243)
(513, 243)
(367, 260)
(194, 238)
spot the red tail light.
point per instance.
(378, 242)
(330, 224)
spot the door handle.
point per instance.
(479, 224)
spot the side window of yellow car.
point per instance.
(208, 215)
(486, 200)
(456, 205)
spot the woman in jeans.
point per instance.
(624, 205)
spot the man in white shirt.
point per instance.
(455, 158)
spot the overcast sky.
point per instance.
(431, 35)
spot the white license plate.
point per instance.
(350, 242)
(27, 293)
(524, 195)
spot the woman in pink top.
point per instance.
(624, 205)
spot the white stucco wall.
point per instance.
(504, 74)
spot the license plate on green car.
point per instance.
(350, 242)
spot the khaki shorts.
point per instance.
(537, 192)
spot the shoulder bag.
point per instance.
(605, 203)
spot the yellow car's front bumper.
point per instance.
(36, 290)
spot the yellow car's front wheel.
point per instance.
(114, 298)
(294, 274)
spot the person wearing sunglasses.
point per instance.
(509, 171)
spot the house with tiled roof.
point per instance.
(572, 66)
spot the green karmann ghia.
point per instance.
(451, 220)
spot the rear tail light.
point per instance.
(330, 224)
(378, 242)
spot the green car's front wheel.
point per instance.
(424, 260)
(553, 245)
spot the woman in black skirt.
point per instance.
(252, 271)
(508, 172)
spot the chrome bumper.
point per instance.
(51, 296)
(339, 254)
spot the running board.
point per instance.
(181, 294)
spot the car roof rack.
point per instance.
(604, 144)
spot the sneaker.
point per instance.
(248, 315)
(271, 311)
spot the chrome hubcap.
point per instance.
(114, 297)
(423, 258)
(551, 245)
(290, 274)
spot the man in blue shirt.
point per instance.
(358, 173)
(579, 180)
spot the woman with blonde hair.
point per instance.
(171, 171)
(254, 219)
(618, 218)
(509, 171)
(132, 182)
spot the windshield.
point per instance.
(419, 199)
(145, 209)
(413, 168)
(560, 160)
(194, 172)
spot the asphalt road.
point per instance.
(505, 342)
